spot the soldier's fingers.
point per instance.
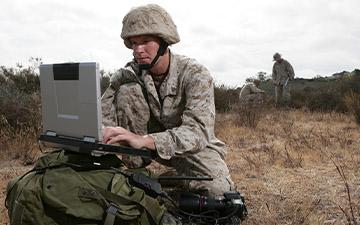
(113, 131)
(117, 139)
(107, 133)
(108, 130)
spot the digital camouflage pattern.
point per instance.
(180, 119)
(250, 94)
(282, 71)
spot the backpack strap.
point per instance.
(151, 205)
(111, 214)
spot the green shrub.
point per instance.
(326, 96)
(19, 95)
(225, 97)
(324, 101)
(24, 79)
(18, 107)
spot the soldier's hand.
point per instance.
(122, 136)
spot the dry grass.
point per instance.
(352, 101)
(18, 143)
(294, 167)
(285, 167)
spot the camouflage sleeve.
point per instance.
(198, 118)
(108, 107)
(108, 100)
(274, 75)
(254, 89)
(290, 70)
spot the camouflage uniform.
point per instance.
(281, 74)
(250, 94)
(180, 118)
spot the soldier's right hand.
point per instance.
(122, 136)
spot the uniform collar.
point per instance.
(170, 84)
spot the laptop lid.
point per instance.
(71, 100)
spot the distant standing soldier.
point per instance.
(282, 73)
(251, 94)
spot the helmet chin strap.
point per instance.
(161, 51)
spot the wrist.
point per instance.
(148, 142)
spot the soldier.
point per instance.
(282, 73)
(164, 102)
(2, 78)
(250, 93)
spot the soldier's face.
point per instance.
(144, 48)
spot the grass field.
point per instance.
(295, 167)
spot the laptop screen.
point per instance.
(71, 100)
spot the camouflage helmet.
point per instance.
(276, 56)
(150, 19)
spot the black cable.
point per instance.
(148, 185)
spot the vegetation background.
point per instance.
(295, 165)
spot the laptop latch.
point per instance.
(89, 139)
(51, 133)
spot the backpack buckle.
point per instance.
(110, 214)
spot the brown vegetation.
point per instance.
(288, 167)
(352, 101)
(295, 167)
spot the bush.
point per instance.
(19, 108)
(352, 101)
(24, 79)
(325, 101)
(325, 97)
(225, 98)
(250, 111)
(248, 116)
(19, 96)
(20, 111)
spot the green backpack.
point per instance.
(70, 188)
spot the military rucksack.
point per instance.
(71, 188)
